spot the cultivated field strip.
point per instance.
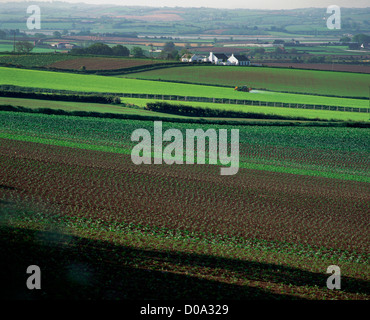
(4, 89)
(95, 83)
(285, 208)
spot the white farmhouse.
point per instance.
(217, 58)
(239, 60)
(196, 58)
(186, 57)
(192, 58)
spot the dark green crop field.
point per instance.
(343, 84)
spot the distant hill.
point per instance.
(83, 18)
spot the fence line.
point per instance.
(5, 88)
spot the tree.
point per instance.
(23, 46)
(100, 49)
(57, 34)
(258, 50)
(137, 52)
(361, 38)
(169, 47)
(279, 50)
(345, 39)
(40, 35)
(2, 34)
(120, 50)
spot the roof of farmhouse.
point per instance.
(220, 56)
(241, 58)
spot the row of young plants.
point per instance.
(103, 194)
(339, 152)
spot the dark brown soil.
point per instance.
(254, 204)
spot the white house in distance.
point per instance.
(239, 60)
(217, 58)
(193, 58)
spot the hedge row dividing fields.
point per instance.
(5, 90)
(95, 83)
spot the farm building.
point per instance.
(218, 58)
(193, 58)
(239, 60)
(63, 45)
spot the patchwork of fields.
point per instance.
(105, 228)
(344, 84)
(94, 83)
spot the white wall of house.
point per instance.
(235, 61)
(196, 58)
(212, 58)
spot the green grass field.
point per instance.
(141, 103)
(93, 83)
(303, 81)
(9, 48)
(74, 106)
(290, 112)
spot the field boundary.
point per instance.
(212, 121)
(10, 88)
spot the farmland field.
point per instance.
(137, 106)
(101, 63)
(101, 227)
(322, 66)
(71, 62)
(144, 179)
(75, 106)
(279, 79)
(39, 60)
(93, 83)
(298, 204)
(288, 112)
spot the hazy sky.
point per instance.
(231, 4)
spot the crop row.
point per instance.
(335, 150)
(260, 205)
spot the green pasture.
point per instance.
(79, 106)
(289, 112)
(9, 48)
(134, 106)
(94, 83)
(280, 79)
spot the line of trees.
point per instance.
(92, 98)
(103, 49)
(190, 111)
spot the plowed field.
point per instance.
(99, 63)
(262, 205)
